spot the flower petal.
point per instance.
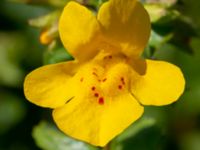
(125, 24)
(162, 84)
(78, 30)
(97, 122)
(49, 86)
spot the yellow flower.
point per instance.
(100, 93)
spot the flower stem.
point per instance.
(107, 147)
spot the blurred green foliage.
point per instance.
(14, 108)
(48, 137)
(175, 37)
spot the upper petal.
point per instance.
(125, 24)
(50, 86)
(94, 122)
(79, 30)
(161, 84)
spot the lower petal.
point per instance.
(97, 121)
(49, 86)
(161, 84)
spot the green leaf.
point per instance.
(155, 42)
(96, 3)
(143, 134)
(56, 55)
(46, 20)
(166, 3)
(190, 8)
(179, 39)
(182, 39)
(47, 137)
(190, 141)
(136, 127)
(12, 111)
(160, 13)
(12, 46)
(54, 3)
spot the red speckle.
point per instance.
(122, 79)
(96, 95)
(94, 74)
(93, 88)
(106, 57)
(120, 87)
(104, 80)
(101, 100)
(81, 79)
(99, 80)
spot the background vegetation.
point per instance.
(29, 39)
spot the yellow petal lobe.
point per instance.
(79, 31)
(50, 86)
(161, 84)
(125, 24)
(96, 122)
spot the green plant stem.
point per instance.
(107, 147)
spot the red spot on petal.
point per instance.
(101, 100)
(96, 95)
(95, 74)
(110, 57)
(81, 79)
(99, 80)
(122, 79)
(120, 87)
(104, 80)
(93, 88)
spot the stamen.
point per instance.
(101, 100)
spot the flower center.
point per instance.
(105, 76)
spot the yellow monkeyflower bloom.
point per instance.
(100, 93)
